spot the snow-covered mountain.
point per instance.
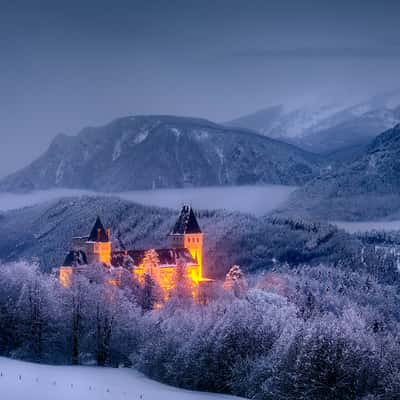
(147, 152)
(285, 123)
(357, 130)
(367, 188)
(325, 129)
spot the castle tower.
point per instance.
(187, 234)
(98, 245)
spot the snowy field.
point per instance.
(26, 381)
(353, 227)
(257, 200)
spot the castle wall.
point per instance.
(194, 243)
(165, 277)
(102, 250)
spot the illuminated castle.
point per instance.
(185, 249)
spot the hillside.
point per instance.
(147, 152)
(367, 188)
(44, 232)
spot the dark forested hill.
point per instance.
(44, 232)
(165, 152)
(367, 188)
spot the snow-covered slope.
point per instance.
(285, 123)
(327, 128)
(147, 152)
(26, 381)
(357, 130)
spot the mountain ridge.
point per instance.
(326, 129)
(144, 152)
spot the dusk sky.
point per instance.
(68, 64)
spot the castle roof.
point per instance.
(98, 233)
(75, 258)
(187, 222)
(167, 257)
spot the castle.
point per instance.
(185, 249)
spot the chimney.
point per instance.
(108, 233)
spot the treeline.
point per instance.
(305, 333)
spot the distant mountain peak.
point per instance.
(322, 128)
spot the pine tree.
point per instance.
(150, 293)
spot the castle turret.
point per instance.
(98, 245)
(187, 234)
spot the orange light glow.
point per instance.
(65, 276)
(103, 250)
(180, 267)
(164, 276)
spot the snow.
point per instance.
(304, 120)
(176, 132)
(21, 381)
(372, 164)
(220, 153)
(60, 172)
(117, 150)
(141, 136)
(299, 122)
(257, 200)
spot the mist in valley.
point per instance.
(256, 200)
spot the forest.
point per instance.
(309, 332)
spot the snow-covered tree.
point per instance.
(183, 286)
(235, 281)
(151, 262)
(150, 294)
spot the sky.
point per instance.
(69, 64)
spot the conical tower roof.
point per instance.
(187, 222)
(98, 233)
